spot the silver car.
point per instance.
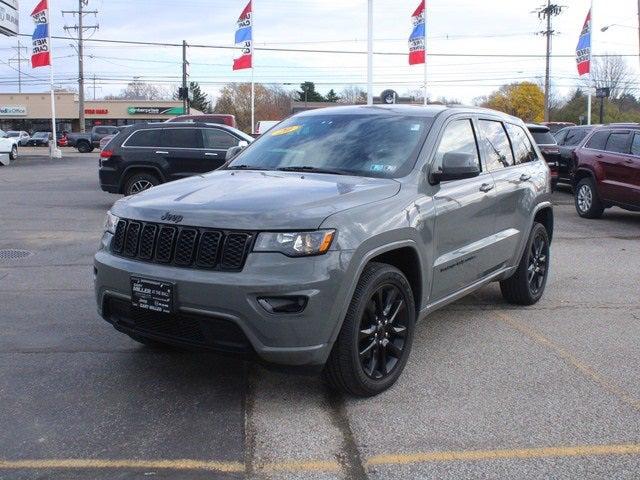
(323, 243)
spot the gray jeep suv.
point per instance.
(326, 240)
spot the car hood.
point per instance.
(255, 200)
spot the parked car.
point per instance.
(87, 142)
(22, 137)
(549, 148)
(264, 125)
(8, 148)
(149, 154)
(40, 139)
(322, 243)
(556, 126)
(608, 170)
(568, 140)
(220, 118)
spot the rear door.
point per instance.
(633, 166)
(464, 225)
(181, 149)
(616, 171)
(216, 143)
(514, 176)
(140, 149)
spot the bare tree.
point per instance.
(137, 90)
(353, 95)
(611, 71)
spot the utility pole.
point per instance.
(80, 28)
(18, 59)
(546, 12)
(639, 30)
(185, 74)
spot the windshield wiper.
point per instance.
(245, 167)
(307, 168)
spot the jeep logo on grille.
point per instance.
(170, 217)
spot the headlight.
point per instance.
(111, 222)
(295, 244)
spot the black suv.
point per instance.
(145, 155)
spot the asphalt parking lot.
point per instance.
(490, 391)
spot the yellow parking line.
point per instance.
(577, 451)
(82, 463)
(570, 359)
(300, 466)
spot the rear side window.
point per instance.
(522, 147)
(496, 145)
(618, 143)
(635, 146)
(144, 138)
(217, 139)
(181, 138)
(598, 140)
(458, 137)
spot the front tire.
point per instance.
(588, 204)
(13, 156)
(84, 147)
(374, 343)
(527, 284)
(139, 182)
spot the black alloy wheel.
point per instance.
(537, 268)
(383, 330)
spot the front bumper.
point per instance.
(216, 304)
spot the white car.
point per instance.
(22, 136)
(8, 148)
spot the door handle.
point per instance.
(210, 154)
(162, 152)
(524, 177)
(485, 187)
(599, 155)
(628, 160)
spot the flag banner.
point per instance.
(244, 38)
(41, 50)
(417, 39)
(583, 50)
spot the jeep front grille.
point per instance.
(182, 246)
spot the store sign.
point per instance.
(9, 17)
(155, 111)
(96, 111)
(13, 110)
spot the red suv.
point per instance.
(608, 170)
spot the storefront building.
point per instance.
(32, 111)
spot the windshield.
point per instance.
(13, 134)
(40, 135)
(544, 138)
(365, 145)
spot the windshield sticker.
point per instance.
(286, 130)
(415, 127)
(377, 168)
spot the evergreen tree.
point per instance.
(198, 99)
(332, 96)
(308, 93)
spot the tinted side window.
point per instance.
(598, 140)
(144, 138)
(496, 142)
(575, 136)
(458, 137)
(522, 147)
(215, 138)
(618, 142)
(102, 131)
(635, 146)
(181, 138)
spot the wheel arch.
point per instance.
(133, 169)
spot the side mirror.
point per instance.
(232, 152)
(243, 143)
(457, 166)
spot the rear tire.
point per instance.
(139, 182)
(13, 156)
(527, 284)
(375, 340)
(84, 147)
(588, 204)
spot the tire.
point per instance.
(587, 202)
(527, 284)
(13, 156)
(139, 182)
(84, 147)
(370, 327)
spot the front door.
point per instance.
(216, 144)
(617, 182)
(464, 223)
(633, 165)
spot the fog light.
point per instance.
(294, 304)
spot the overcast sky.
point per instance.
(496, 27)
